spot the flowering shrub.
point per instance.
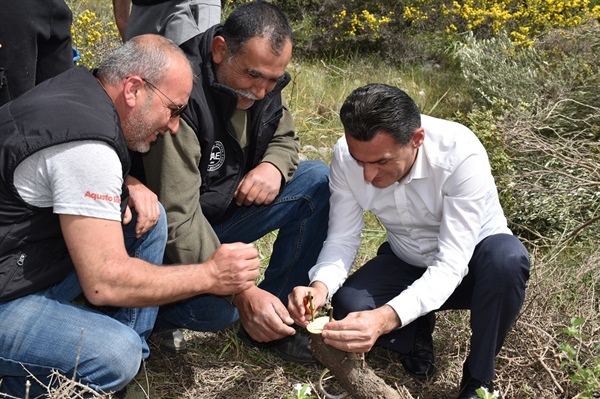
(487, 18)
(360, 24)
(93, 37)
(332, 26)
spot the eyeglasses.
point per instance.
(175, 109)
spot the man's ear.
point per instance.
(132, 90)
(219, 49)
(418, 137)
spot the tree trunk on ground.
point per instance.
(352, 373)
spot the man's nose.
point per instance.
(173, 124)
(369, 172)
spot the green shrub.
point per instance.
(548, 98)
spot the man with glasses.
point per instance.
(232, 173)
(69, 226)
(174, 109)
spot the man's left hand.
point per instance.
(263, 315)
(145, 203)
(358, 331)
(260, 186)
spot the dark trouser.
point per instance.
(299, 213)
(494, 290)
(36, 44)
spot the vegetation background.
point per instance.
(525, 77)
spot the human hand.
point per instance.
(263, 315)
(127, 216)
(298, 302)
(233, 268)
(145, 203)
(260, 186)
(358, 331)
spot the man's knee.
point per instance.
(349, 299)
(117, 362)
(316, 174)
(507, 260)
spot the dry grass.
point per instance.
(217, 366)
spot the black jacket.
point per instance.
(72, 106)
(209, 112)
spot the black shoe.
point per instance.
(169, 339)
(469, 385)
(293, 348)
(420, 362)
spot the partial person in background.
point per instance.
(232, 173)
(178, 20)
(35, 44)
(430, 184)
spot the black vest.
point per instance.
(70, 107)
(211, 105)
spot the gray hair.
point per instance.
(147, 56)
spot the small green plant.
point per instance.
(301, 392)
(483, 393)
(584, 373)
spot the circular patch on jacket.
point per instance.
(217, 156)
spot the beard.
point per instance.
(248, 96)
(138, 127)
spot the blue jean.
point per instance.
(494, 290)
(300, 213)
(46, 331)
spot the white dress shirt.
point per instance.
(434, 217)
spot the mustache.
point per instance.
(247, 94)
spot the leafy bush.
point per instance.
(547, 100)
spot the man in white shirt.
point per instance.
(448, 245)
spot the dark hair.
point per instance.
(257, 18)
(379, 108)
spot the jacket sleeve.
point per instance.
(172, 172)
(283, 150)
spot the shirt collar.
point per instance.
(419, 169)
